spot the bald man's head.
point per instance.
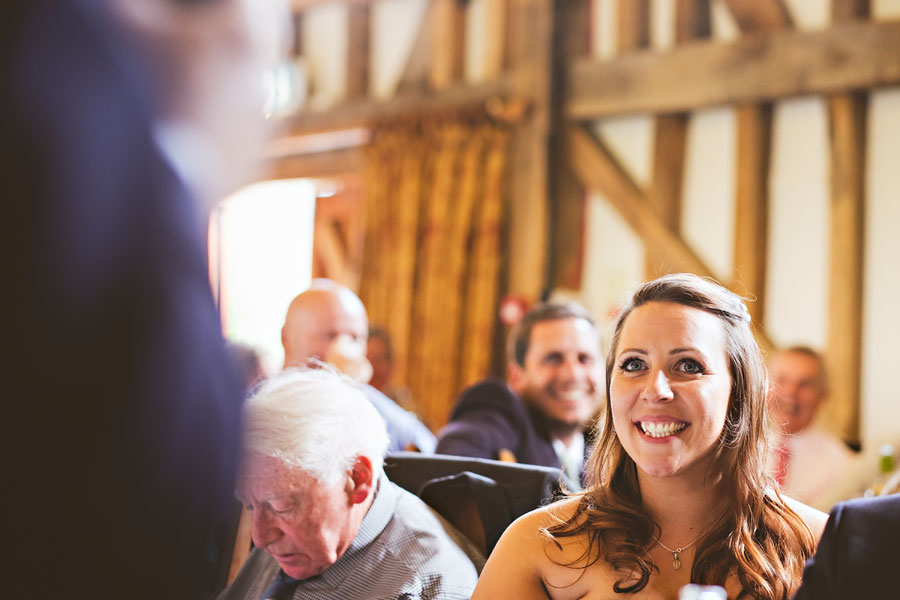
(325, 314)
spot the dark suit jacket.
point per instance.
(859, 555)
(121, 416)
(489, 417)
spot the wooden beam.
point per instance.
(530, 58)
(495, 22)
(751, 222)
(364, 113)
(756, 68)
(666, 184)
(318, 164)
(753, 16)
(693, 20)
(415, 73)
(847, 119)
(571, 38)
(599, 170)
(633, 25)
(448, 37)
(848, 10)
(358, 51)
(298, 6)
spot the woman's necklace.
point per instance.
(676, 562)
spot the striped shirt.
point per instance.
(399, 552)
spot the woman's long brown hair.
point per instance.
(759, 540)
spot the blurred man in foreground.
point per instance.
(328, 322)
(327, 523)
(123, 412)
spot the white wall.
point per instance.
(798, 261)
(796, 303)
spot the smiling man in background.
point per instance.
(540, 414)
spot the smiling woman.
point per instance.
(677, 478)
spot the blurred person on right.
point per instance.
(809, 464)
(858, 556)
(678, 491)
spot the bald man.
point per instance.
(328, 322)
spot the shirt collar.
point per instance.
(377, 518)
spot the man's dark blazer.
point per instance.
(859, 554)
(488, 418)
(120, 415)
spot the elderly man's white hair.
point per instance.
(315, 419)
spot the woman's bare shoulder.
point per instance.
(546, 516)
(815, 519)
(530, 562)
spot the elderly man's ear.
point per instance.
(361, 481)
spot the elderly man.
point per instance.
(810, 464)
(539, 415)
(327, 523)
(328, 322)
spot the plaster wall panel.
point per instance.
(799, 224)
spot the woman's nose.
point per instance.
(657, 388)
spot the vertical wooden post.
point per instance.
(847, 115)
(633, 25)
(692, 21)
(495, 17)
(448, 42)
(754, 145)
(571, 39)
(358, 51)
(665, 189)
(530, 57)
(754, 141)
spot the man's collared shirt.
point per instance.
(400, 551)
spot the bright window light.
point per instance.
(262, 244)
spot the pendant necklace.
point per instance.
(676, 562)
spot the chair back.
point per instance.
(479, 497)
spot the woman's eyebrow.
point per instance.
(686, 349)
(637, 350)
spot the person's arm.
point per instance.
(404, 429)
(818, 576)
(513, 569)
(483, 422)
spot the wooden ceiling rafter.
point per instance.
(755, 68)
(760, 15)
(598, 169)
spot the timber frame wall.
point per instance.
(541, 78)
